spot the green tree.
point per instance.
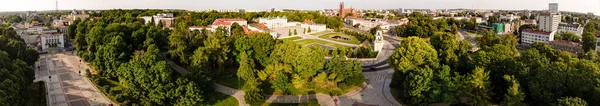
(413, 53)
(446, 45)
(254, 97)
(237, 30)
(571, 101)
(295, 32)
(289, 32)
(514, 95)
(478, 88)
(454, 29)
(280, 82)
(374, 30)
(310, 59)
(177, 43)
(309, 30)
(304, 32)
(246, 71)
(589, 41)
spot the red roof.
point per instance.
(200, 27)
(308, 22)
(597, 33)
(565, 41)
(537, 31)
(226, 21)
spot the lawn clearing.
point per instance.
(221, 99)
(352, 39)
(292, 38)
(314, 41)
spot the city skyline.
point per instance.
(583, 6)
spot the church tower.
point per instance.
(341, 13)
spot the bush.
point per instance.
(355, 80)
(254, 97)
(313, 102)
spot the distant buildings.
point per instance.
(575, 28)
(368, 23)
(529, 21)
(549, 21)
(75, 15)
(509, 17)
(531, 36)
(166, 19)
(227, 22)
(498, 28)
(51, 40)
(344, 12)
(564, 45)
(274, 22)
(553, 7)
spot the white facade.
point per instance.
(553, 7)
(549, 21)
(314, 27)
(532, 36)
(157, 18)
(378, 43)
(274, 22)
(52, 40)
(575, 28)
(509, 17)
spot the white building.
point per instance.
(51, 40)
(575, 28)
(509, 17)
(309, 24)
(274, 22)
(548, 21)
(531, 36)
(166, 19)
(553, 7)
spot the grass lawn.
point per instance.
(283, 104)
(38, 94)
(221, 99)
(473, 34)
(314, 41)
(292, 38)
(320, 33)
(353, 40)
(235, 83)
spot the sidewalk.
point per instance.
(67, 87)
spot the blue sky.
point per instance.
(564, 5)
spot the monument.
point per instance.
(378, 41)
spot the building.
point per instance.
(529, 21)
(52, 40)
(167, 19)
(575, 28)
(564, 45)
(344, 12)
(75, 15)
(309, 24)
(549, 21)
(274, 22)
(531, 36)
(509, 17)
(498, 28)
(553, 7)
(227, 22)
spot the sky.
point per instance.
(564, 5)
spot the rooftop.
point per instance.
(576, 25)
(566, 42)
(537, 31)
(225, 21)
(308, 22)
(51, 34)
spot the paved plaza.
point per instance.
(64, 85)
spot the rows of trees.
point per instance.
(122, 49)
(16, 71)
(445, 71)
(422, 26)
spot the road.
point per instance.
(66, 86)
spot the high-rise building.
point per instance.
(548, 21)
(553, 7)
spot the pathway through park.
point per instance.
(65, 85)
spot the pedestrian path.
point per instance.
(65, 84)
